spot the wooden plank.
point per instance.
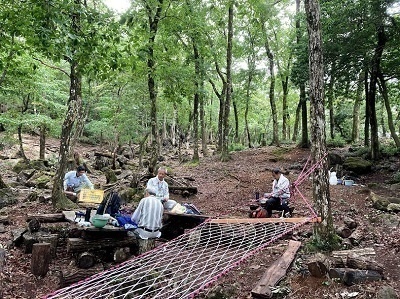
(264, 220)
(187, 215)
(47, 218)
(78, 245)
(275, 272)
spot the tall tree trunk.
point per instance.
(375, 67)
(235, 114)
(367, 111)
(173, 125)
(21, 148)
(355, 131)
(196, 100)
(42, 142)
(323, 232)
(204, 138)
(330, 95)
(228, 98)
(385, 96)
(74, 102)
(59, 200)
(274, 112)
(153, 20)
(285, 108)
(305, 143)
(251, 66)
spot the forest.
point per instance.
(211, 77)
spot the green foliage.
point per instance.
(236, 147)
(324, 245)
(389, 150)
(336, 142)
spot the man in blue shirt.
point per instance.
(74, 181)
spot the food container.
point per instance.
(348, 182)
(99, 221)
(340, 182)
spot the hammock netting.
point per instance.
(184, 266)
(187, 265)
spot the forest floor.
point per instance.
(227, 188)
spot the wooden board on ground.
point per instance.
(47, 218)
(275, 272)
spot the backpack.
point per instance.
(258, 213)
(110, 204)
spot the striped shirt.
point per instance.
(148, 215)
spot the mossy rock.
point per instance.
(382, 203)
(40, 180)
(7, 198)
(393, 207)
(110, 175)
(129, 194)
(357, 165)
(21, 165)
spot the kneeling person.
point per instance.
(75, 181)
(148, 215)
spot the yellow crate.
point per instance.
(91, 196)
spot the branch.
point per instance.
(51, 66)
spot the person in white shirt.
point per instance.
(148, 215)
(280, 195)
(75, 181)
(161, 186)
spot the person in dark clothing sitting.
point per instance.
(279, 197)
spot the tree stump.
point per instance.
(319, 265)
(343, 231)
(121, 254)
(40, 259)
(52, 239)
(86, 260)
(145, 245)
(350, 223)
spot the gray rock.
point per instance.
(386, 293)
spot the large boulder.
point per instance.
(41, 180)
(357, 165)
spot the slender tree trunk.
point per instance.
(21, 148)
(355, 133)
(173, 125)
(153, 20)
(330, 96)
(251, 65)
(285, 108)
(228, 98)
(196, 101)
(204, 139)
(375, 67)
(58, 197)
(235, 114)
(42, 142)
(367, 111)
(323, 232)
(305, 143)
(274, 112)
(385, 96)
